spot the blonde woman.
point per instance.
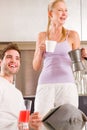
(56, 85)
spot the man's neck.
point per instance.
(9, 78)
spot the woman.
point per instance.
(56, 85)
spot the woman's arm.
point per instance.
(39, 51)
(75, 40)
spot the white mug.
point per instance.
(50, 45)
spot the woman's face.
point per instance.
(59, 13)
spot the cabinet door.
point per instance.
(74, 20)
(84, 20)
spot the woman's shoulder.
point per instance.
(42, 35)
(73, 38)
(72, 33)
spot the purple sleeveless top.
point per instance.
(57, 65)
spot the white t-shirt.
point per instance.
(11, 101)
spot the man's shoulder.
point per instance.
(2, 80)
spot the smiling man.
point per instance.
(11, 99)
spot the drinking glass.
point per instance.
(24, 115)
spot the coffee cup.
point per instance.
(50, 45)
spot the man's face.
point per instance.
(10, 64)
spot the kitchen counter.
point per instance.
(82, 102)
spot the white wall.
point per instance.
(22, 20)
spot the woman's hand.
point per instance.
(42, 47)
(84, 53)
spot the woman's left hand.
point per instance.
(84, 53)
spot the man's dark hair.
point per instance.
(10, 46)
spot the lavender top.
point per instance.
(57, 65)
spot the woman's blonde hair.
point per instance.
(50, 7)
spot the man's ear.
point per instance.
(0, 62)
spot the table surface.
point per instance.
(45, 126)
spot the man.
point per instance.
(11, 99)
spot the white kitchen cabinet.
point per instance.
(74, 15)
(84, 19)
(22, 20)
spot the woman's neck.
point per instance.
(57, 34)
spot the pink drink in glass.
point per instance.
(24, 116)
